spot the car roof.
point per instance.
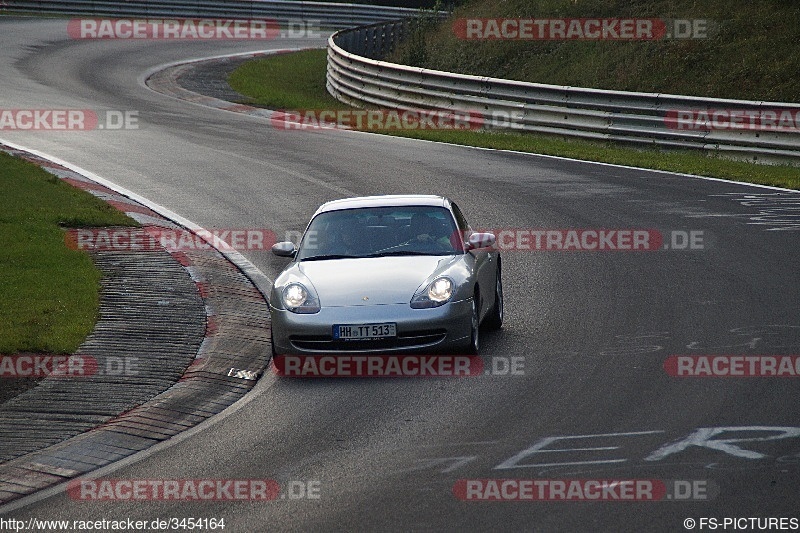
(387, 200)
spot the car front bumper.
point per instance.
(443, 328)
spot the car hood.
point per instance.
(370, 281)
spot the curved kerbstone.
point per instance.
(200, 331)
(152, 322)
(205, 82)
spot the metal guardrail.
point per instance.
(357, 76)
(329, 15)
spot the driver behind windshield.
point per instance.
(381, 231)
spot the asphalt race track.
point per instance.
(594, 327)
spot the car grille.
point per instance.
(408, 339)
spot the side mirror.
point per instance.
(284, 249)
(481, 240)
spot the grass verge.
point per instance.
(50, 293)
(297, 81)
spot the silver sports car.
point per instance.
(384, 274)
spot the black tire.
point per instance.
(494, 320)
(474, 346)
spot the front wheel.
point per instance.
(495, 318)
(475, 334)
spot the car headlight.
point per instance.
(298, 299)
(438, 292)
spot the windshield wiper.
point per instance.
(406, 252)
(330, 256)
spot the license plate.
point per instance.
(350, 332)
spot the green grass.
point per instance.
(297, 81)
(286, 81)
(49, 299)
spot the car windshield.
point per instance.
(379, 232)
